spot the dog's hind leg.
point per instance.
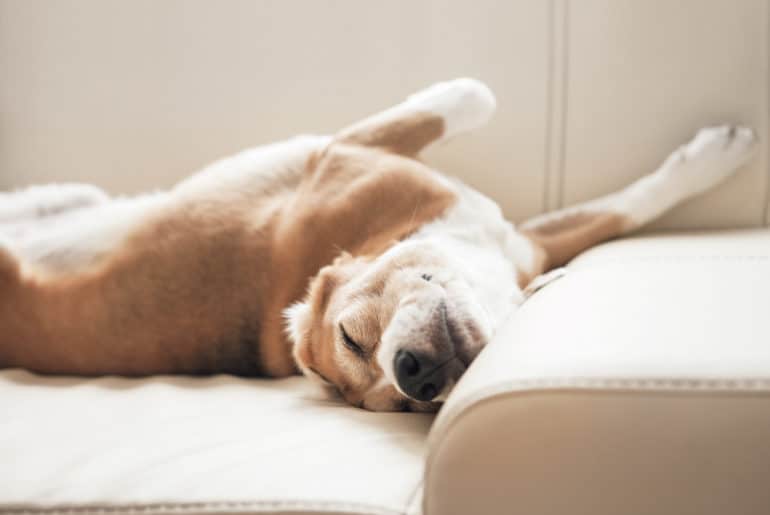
(432, 115)
(51, 199)
(712, 156)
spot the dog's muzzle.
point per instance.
(423, 370)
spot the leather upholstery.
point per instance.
(218, 445)
(638, 382)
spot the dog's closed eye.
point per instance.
(427, 277)
(350, 343)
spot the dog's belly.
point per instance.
(172, 282)
(181, 294)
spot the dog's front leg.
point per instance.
(430, 116)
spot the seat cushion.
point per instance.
(637, 383)
(200, 445)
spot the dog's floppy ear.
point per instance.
(299, 316)
(298, 320)
(429, 116)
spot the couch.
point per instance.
(636, 383)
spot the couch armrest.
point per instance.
(637, 383)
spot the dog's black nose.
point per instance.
(419, 376)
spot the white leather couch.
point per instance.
(638, 383)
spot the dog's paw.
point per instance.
(713, 155)
(464, 104)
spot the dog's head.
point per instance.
(395, 330)
(392, 332)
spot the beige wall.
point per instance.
(134, 95)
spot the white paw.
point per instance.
(713, 155)
(464, 104)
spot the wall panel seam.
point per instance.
(551, 50)
(766, 144)
(555, 116)
(564, 100)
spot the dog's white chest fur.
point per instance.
(485, 249)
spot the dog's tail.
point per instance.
(10, 282)
(9, 269)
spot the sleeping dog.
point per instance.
(343, 257)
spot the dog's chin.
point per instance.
(421, 407)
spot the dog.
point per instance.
(342, 257)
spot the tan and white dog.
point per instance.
(342, 257)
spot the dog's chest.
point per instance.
(486, 250)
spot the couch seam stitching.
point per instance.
(412, 498)
(660, 384)
(587, 384)
(192, 507)
(666, 259)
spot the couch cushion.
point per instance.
(639, 382)
(188, 445)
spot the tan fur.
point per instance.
(406, 136)
(373, 305)
(181, 295)
(359, 200)
(561, 238)
(202, 286)
(9, 270)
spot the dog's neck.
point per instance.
(493, 258)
